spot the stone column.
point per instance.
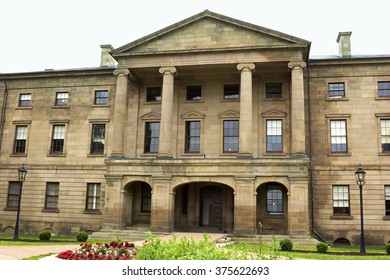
(298, 134)
(165, 138)
(245, 126)
(120, 110)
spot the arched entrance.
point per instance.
(272, 208)
(137, 204)
(205, 207)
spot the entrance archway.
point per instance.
(204, 207)
(272, 208)
(137, 204)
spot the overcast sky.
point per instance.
(56, 34)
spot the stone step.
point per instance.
(266, 239)
(131, 235)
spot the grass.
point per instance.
(310, 253)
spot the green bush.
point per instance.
(322, 247)
(45, 235)
(82, 236)
(286, 244)
(387, 248)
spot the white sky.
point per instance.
(58, 34)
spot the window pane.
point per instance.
(98, 138)
(274, 136)
(101, 97)
(62, 99)
(93, 196)
(341, 200)
(336, 90)
(13, 194)
(338, 136)
(273, 90)
(231, 92)
(383, 89)
(152, 130)
(230, 136)
(385, 135)
(153, 94)
(57, 145)
(274, 200)
(20, 139)
(194, 92)
(52, 190)
(192, 144)
(146, 199)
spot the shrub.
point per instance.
(286, 244)
(322, 247)
(45, 235)
(82, 236)
(387, 248)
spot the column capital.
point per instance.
(246, 66)
(296, 64)
(119, 72)
(169, 69)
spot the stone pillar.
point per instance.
(113, 204)
(244, 206)
(161, 204)
(165, 138)
(298, 147)
(120, 110)
(298, 207)
(245, 126)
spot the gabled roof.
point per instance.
(180, 37)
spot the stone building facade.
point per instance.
(211, 124)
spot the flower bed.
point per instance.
(101, 251)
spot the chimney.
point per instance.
(106, 59)
(344, 40)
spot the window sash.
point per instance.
(25, 100)
(385, 135)
(231, 92)
(341, 200)
(13, 194)
(194, 93)
(52, 193)
(230, 136)
(151, 137)
(20, 139)
(336, 89)
(98, 138)
(93, 196)
(338, 139)
(57, 143)
(383, 89)
(273, 90)
(62, 99)
(274, 136)
(153, 94)
(274, 200)
(192, 142)
(101, 97)
(146, 199)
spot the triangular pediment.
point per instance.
(208, 31)
(229, 114)
(274, 114)
(151, 116)
(193, 115)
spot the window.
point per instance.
(13, 195)
(231, 92)
(273, 90)
(98, 138)
(274, 136)
(387, 200)
(153, 94)
(336, 90)
(274, 200)
(341, 200)
(62, 99)
(230, 136)
(101, 97)
(146, 198)
(338, 136)
(192, 141)
(25, 100)
(51, 198)
(184, 196)
(194, 93)
(385, 135)
(152, 130)
(93, 197)
(383, 89)
(20, 139)
(57, 141)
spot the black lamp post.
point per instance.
(360, 180)
(22, 176)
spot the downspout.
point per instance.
(3, 107)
